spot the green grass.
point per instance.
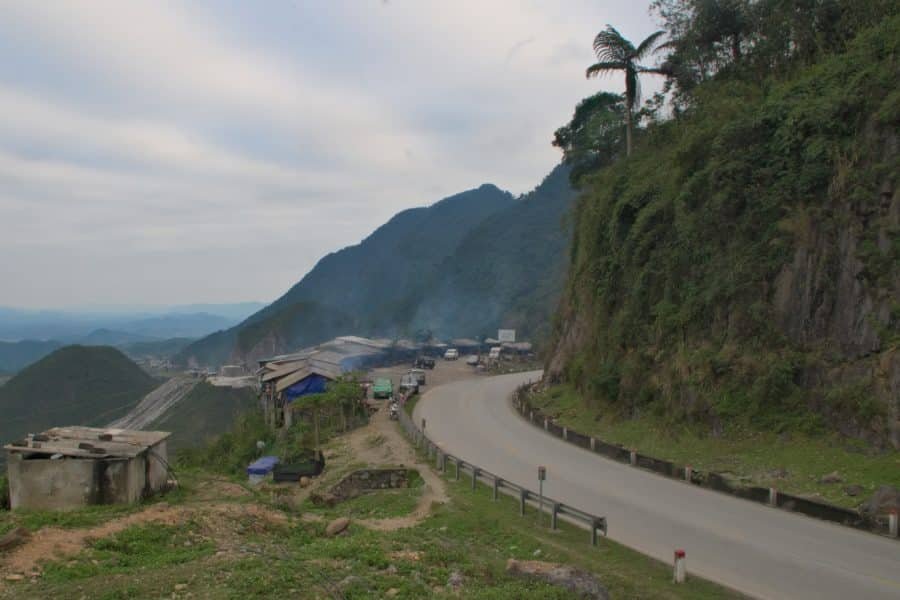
(745, 456)
(138, 548)
(473, 535)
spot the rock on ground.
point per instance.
(337, 526)
(455, 581)
(882, 501)
(833, 477)
(581, 583)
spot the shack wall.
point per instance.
(158, 473)
(51, 484)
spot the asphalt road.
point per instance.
(760, 551)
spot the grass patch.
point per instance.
(380, 504)
(793, 462)
(142, 547)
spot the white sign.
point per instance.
(506, 335)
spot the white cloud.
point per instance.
(174, 152)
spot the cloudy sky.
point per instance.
(210, 151)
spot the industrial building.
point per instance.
(71, 467)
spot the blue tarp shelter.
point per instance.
(312, 384)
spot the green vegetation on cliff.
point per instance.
(739, 271)
(75, 385)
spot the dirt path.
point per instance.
(53, 543)
(391, 448)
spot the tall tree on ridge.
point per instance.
(615, 53)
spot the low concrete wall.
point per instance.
(367, 480)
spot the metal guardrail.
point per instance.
(554, 508)
(709, 479)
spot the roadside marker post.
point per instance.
(688, 472)
(892, 523)
(542, 475)
(773, 497)
(680, 568)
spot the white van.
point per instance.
(495, 353)
(451, 354)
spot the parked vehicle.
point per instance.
(419, 374)
(451, 354)
(495, 353)
(382, 389)
(409, 383)
(472, 360)
(424, 362)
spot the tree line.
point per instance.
(701, 40)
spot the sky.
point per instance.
(157, 152)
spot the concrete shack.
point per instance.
(71, 467)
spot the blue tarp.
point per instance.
(262, 466)
(314, 384)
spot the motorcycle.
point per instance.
(394, 416)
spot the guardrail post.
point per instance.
(475, 471)
(457, 469)
(773, 497)
(566, 433)
(593, 444)
(633, 458)
(523, 495)
(554, 515)
(496, 487)
(531, 416)
(596, 525)
(892, 523)
(438, 459)
(546, 424)
(688, 472)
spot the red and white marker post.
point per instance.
(680, 567)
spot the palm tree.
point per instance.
(615, 53)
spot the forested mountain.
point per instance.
(741, 267)
(508, 271)
(75, 385)
(464, 266)
(369, 288)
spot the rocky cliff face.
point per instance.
(743, 266)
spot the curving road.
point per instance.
(756, 550)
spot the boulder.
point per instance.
(580, 583)
(337, 526)
(305, 481)
(833, 477)
(853, 490)
(882, 501)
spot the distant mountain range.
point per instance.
(71, 326)
(137, 334)
(465, 266)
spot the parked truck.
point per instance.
(383, 389)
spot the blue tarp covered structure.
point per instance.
(314, 384)
(263, 465)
